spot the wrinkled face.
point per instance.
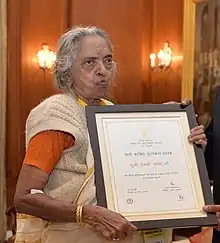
(93, 69)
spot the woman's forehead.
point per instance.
(94, 46)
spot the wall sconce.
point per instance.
(164, 57)
(46, 57)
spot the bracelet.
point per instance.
(79, 211)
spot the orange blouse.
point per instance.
(46, 148)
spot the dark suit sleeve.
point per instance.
(209, 150)
(210, 154)
(216, 157)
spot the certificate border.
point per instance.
(91, 112)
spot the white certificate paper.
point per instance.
(146, 168)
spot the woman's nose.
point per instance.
(101, 69)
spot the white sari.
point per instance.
(35, 230)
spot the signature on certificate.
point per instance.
(180, 197)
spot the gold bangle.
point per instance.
(80, 215)
(79, 211)
(77, 214)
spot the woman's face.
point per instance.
(93, 69)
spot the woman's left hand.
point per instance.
(197, 135)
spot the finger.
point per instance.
(201, 142)
(130, 230)
(196, 137)
(133, 227)
(123, 230)
(107, 235)
(197, 133)
(196, 128)
(96, 228)
(198, 141)
(212, 208)
(193, 139)
(185, 102)
(114, 235)
(129, 233)
(170, 103)
(123, 235)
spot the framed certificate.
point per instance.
(145, 168)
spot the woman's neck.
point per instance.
(90, 101)
(86, 100)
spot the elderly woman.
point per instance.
(55, 195)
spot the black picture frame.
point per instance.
(91, 112)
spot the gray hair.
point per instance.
(67, 50)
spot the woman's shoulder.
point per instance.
(58, 101)
(62, 99)
(59, 107)
(58, 112)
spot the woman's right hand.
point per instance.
(111, 225)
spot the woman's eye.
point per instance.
(108, 60)
(89, 62)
